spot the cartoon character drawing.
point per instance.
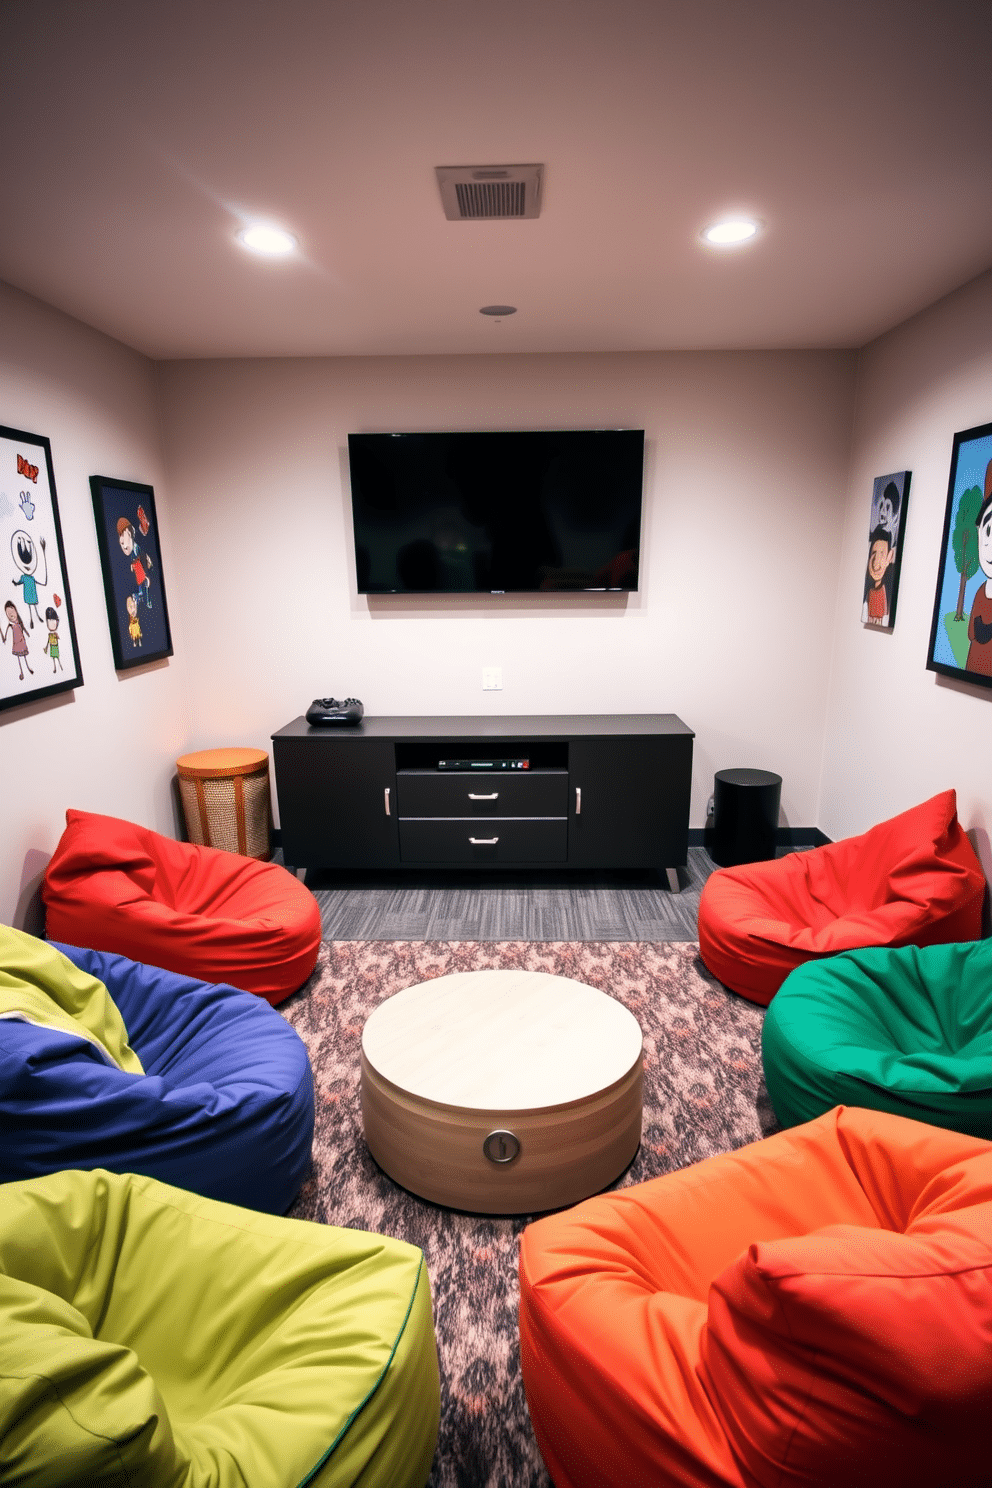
(25, 555)
(980, 619)
(27, 506)
(888, 510)
(881, 553)
(19, 642)
(52, 644)
(133, 626)
(139, 560)
(878, 604)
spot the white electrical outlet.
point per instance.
(492, 679)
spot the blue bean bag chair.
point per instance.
(106, 1063)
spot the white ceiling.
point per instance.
(139, 135)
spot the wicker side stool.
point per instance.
(225, 795)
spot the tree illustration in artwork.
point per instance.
(964, 540)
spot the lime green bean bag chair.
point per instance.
(907, 1031)
(150, 1338)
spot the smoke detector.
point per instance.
(473, 193)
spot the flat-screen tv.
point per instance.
(497, 513)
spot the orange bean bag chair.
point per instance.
(809, 1311)
(912, 880)
(208, 914)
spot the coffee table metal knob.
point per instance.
(501, 1146)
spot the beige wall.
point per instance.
(109, 745)
(897, 733)
(746, 474)
(747, 624)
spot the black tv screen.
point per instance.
(497, 513)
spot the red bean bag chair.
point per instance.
(912, 880)
(208, 914)
(809, 1311)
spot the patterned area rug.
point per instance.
(704, 1094)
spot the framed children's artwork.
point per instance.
(961, 632)
(127, 532)
(886, 525)
(38, 651)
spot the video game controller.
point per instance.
(333, 710)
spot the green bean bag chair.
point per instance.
(152, 1337)
(907, 1031)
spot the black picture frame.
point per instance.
(961, 630)
(133, 581)
(886, 529)
(37, 660)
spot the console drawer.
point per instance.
(461, 793)
(527, 840)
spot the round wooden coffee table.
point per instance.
(502, 1092)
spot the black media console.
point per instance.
(595, 792)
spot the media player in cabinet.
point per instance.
(543, 792)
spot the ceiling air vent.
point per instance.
(473, 193)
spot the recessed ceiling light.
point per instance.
(274, 242)
(731, 231)
(498, 310)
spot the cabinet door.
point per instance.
(332, 802)
(632, 810)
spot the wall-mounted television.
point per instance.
(497, 513)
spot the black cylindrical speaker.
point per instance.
(745, 816)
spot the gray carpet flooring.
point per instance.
(528, 907)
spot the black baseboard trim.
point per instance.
(785, 837)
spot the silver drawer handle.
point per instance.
(387, 801)
(483, 841)
(578, 800)
(473, 797)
